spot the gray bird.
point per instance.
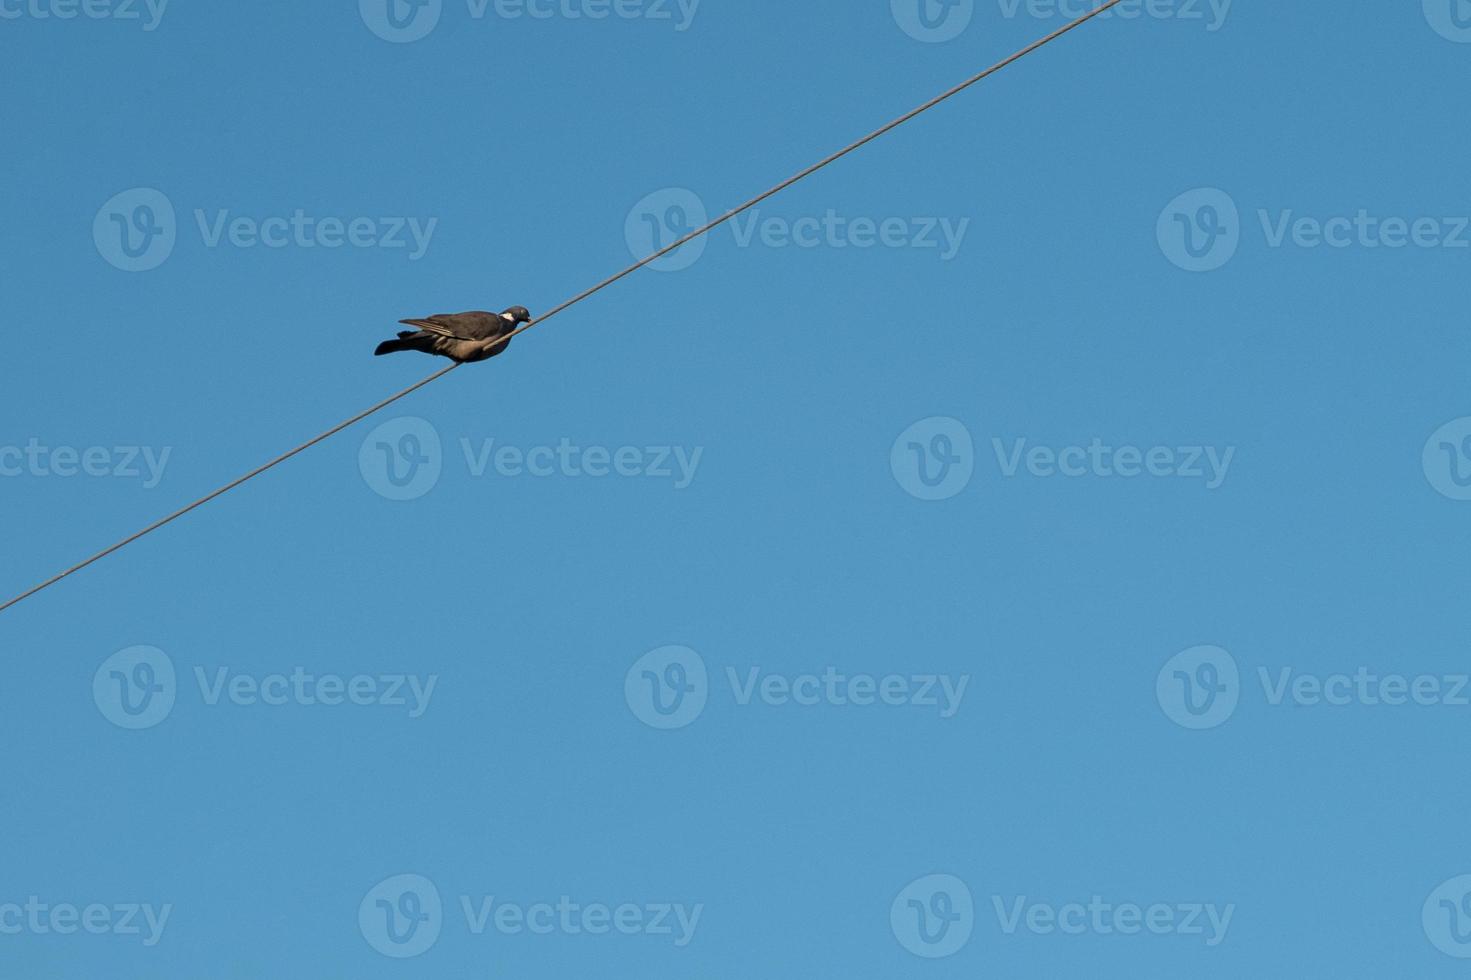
(462, 337)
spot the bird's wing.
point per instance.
(460, 326)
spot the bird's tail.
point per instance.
(407, 340)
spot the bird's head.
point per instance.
(517, 315)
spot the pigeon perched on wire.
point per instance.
(462, 337)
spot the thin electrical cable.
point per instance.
(585, 294)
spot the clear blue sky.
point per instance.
(785, 381)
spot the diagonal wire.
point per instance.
(231, 485)
(585, 294)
